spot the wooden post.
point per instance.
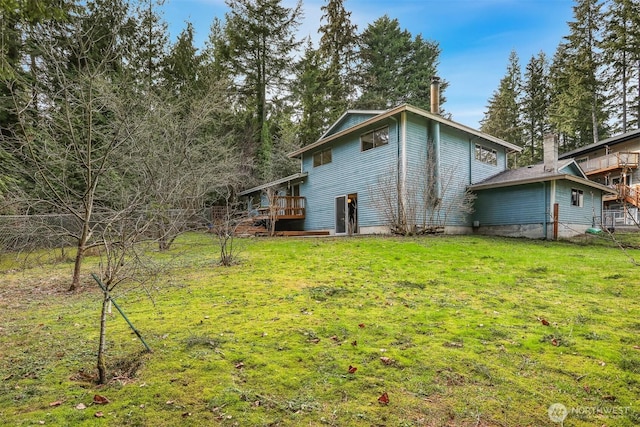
(556, 209)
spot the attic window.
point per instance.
(577, 197)
(486, 155)
(322, 157)
(375, 138)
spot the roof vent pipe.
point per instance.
(435, 95)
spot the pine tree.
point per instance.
(395, 68)
(502, 118)
(577, 108)
(150, 44)
(337, 49)
(260, 37)
(312, 94)
(181, 67)
(621, 50)
(535, 106)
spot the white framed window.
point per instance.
(486, 155)
(322, 157)
(375, 138)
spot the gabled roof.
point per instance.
(536, 173)
(291, 178)
(600, 144)
(346, 114)
(397, 110)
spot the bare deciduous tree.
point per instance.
(422, 203)
(225, 223)
(183, 160)
(71, 124)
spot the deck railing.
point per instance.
(286, 207)
(611, 161)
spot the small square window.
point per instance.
(577, 197)
(322, 157)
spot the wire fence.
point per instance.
(48, 231)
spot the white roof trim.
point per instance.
(405, 107)
(540, 179)
(294, 177)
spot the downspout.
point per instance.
(403, 122)
(398, 165)
(546, 209)
(435, 127)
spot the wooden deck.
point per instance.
(284, 207)
(610, 162)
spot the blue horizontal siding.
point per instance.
(592, 203)
(351, 171)
(517, 205)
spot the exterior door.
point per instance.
(341, 214)
(352, 213)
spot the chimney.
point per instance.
(550, 147)
(435, 95)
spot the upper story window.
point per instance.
(322, 157)
(577, 197)
(486, 155)
(375, 138)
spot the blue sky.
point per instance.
(475, 36)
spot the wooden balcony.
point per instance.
(284, 207)
(610, 162)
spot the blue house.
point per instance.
(403, 170)
(407, 170)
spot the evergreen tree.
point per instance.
(312, 94)
(535, 106)
(337, 49)
(394, 68)
(621, 49)
(502, 118)
(577, 107)
(150, 42)
(182, 65)
(260, 36)
(16, 19)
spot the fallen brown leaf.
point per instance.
(384, 399)
(100, 400)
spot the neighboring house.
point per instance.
(614, 162)
(549, 200)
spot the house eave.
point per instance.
(618, 139)
(291, 178)
(556, 177)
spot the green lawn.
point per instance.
(452, 329)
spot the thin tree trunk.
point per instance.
(102, 368)
(82, 248)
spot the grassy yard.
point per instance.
(457, 331)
